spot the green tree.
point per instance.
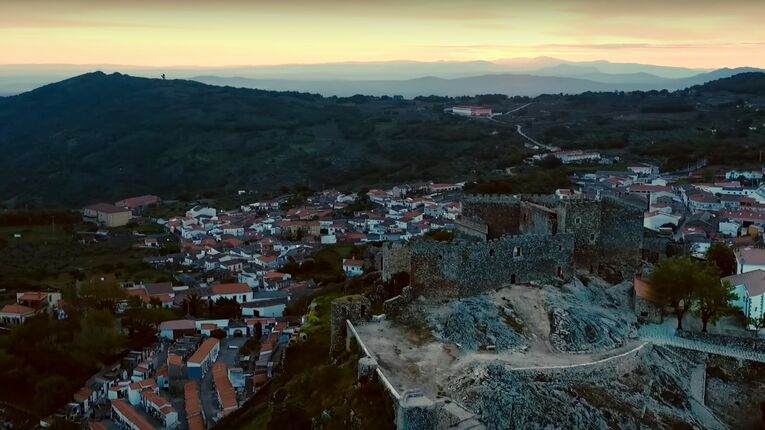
(677, 279)
(723, 257)
(713, 298)
(192, 304)
(99, 336)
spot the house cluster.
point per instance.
(146, 387)
(29, 304)
(252, 243)
(129, 388)
(120, 212)
(694, 214)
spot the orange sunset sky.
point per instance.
(700, 33)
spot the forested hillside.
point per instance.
(102, 137)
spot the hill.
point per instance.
(101, 137)
(743, 83)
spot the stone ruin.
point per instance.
(509, 239)
(355, 308)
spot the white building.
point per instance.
(752, 175)
(655, 219)
(241, 293)
(353, 267)
(749, 288)
(749, 259)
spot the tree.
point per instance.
(134, 302)
(99, 336)
(713, 298)
(226, 308)
(192, 303)
(677, 279)
(757, 323)
(549, 162)
(723, 257)
(258, 331)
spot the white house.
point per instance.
(241, 293)
(733, 175)
(655, 219)
(353, 267)
(749, 288)
(749, 259)
(729, 228)
(198, 211)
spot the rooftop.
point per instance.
(204, 350)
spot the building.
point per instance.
(106, 215)
(138, 204)
(749, 288)
(241, 293)
(224, 390)
(353, 267)
(128, 418)
(13, 314)
(482, 111)
(176, 329)
(201, 361)
(749, 259)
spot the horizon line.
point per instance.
(497, 61)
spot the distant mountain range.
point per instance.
(520, 76)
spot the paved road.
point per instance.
(664, 334)
(525, 136)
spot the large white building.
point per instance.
(471, 110)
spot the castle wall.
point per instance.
(471, 229)
(621, 235)
(501, 214)
(395, 259)
(538, 219)
(457, 270)
(582, 219)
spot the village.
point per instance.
(230, 261)
(248, 265)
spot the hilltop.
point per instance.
(104, 136)
(100, 136)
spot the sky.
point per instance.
(209, 33)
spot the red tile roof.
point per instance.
(124, 409)
(17, 309)
(204, 350)
(225, 390)
(231, 289)
(106, 208)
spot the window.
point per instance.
(517, 252)
(592, 237)
(513, 278)
(491, 253)
(577, 220)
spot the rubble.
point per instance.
(477, 323)
(652, 393)
(586, 319)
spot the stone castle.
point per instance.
(519, 239)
